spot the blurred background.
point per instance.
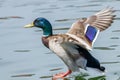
(22, 54)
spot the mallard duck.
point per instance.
(74, 46)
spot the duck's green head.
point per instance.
(42, 23)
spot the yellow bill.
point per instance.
(29, 25)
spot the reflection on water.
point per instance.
(116, 31)
(104, 48)
(118, 56)
(110, 62)
(35, 58)
(43, 77)
(10, 17)
(55, 69)
(22, 50)
(23, 75)
(114, 45)
(64, 20)
(114, 38)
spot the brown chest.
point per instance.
(45, 41)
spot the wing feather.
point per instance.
(100, 21)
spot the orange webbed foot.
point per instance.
(61, 75)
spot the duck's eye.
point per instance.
(37, 21)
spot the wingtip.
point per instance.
(107, 9)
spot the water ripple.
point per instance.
(104, 48)
(23, 75)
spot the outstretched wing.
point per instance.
(101, 20)
(87, 29)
